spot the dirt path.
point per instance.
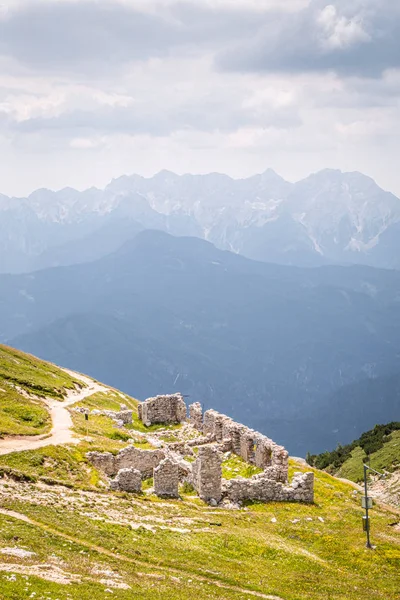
(61, 419)
(122, 557)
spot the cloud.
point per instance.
(359, 38)
(94, 38)
(90, 89)
(202, 114)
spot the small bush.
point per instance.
(119, 435)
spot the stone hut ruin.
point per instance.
(206, 438)
(163, 409)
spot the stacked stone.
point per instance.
(209, 422)
(263, 452)
(127, 480)
(301, 489)
(166, 479)
(280, 460)
(200, 441)
(125, 416)
(264, 489)
(247, 445)
(184, 466)
(142, 460)
(196, 416)
(170, 408)
(207, 474)
(104, 461)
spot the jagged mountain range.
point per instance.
(328, 218)
(308, 356)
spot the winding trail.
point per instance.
(61, 419)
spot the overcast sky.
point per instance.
(92, 89)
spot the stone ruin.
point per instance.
(127, 480)
(144, 461)
(207, 474)
(215, 434)
(163, 409)
(166, 479)
(121, 418)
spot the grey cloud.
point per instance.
(369, 31)
(158, 121)
(95, 37)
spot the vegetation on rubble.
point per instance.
(234, 466)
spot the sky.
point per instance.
(93, 89)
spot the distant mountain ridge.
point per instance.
(328, 218)
(308, 356)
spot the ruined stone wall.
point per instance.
(127, 458)
(255, 448)
(104, 461)
(125, 416)
(166, 479)
(207, 474)
(127, 480)
(142, 460)
(262, 488)
(163, 409)
(196, 416)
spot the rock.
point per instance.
(127, 480)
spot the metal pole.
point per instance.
(366, 505)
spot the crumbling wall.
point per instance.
(142, 460)
(255, 448)
(127, 480)
(166, 479)
(262, 488)
(104, 461)
(247, 445)
(196, 416)
(207, 474)
(125, 416)
(170, 408)
(263, 452)
(127, 458)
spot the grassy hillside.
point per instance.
(177, 549)
(386, 458)
(65, 536)
(24, 382)
(381, 446)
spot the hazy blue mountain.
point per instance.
(328, 218)
(277, 347)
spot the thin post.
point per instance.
(381, 475)
(366, 505)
